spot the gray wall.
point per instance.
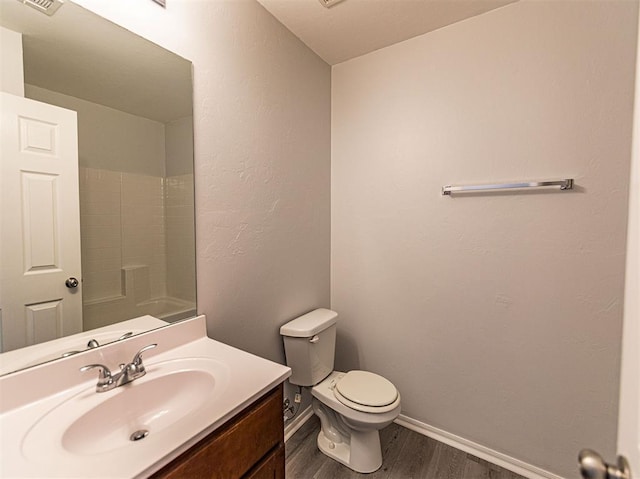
(262, 178)
(498, 316)
(262, 163)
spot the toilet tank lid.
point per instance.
(309, 324)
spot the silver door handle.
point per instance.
(592, 466)
(71, 283)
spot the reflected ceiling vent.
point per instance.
(330, 3)
(45, 6)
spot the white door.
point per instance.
(40, 223)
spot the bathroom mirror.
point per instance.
(133, 101)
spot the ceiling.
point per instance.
(354, 27)
(81, 54)
(78, 53)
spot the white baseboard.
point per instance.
(478, 450)
(294, 424)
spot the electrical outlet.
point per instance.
(286, 404)
(298, 398)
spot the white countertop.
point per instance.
(249, 377)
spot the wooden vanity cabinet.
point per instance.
(248, 446)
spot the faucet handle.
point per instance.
(135, 369)
(104, 372)
(105, 379)
(137, 359)
(69, 353)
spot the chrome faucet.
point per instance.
(128, 372)
(94, 344)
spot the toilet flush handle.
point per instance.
(315, 339)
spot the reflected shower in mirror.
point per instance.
(131, 163)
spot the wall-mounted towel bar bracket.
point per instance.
(566, 184)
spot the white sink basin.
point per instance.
(96, 424)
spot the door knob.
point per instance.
(592, 466)
(71, 283)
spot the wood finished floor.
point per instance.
(406, 455)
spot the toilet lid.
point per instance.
(367, 389)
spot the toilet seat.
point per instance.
(367, 392)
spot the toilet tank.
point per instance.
(309, 344)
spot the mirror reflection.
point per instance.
(97, 181)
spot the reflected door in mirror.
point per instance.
(40, 248)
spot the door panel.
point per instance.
(39, 216)
(40, 235)
(44, 321)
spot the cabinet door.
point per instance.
(233, 450)
(271, 467)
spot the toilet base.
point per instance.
(359, 450)
(362, 455)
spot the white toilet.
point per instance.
(352, 406)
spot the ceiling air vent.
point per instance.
(329, 3)
(45, 6)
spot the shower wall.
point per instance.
(122, 226)
(179, 210)
(180, 237)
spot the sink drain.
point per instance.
(138, 435)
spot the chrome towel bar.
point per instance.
(566, 184)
